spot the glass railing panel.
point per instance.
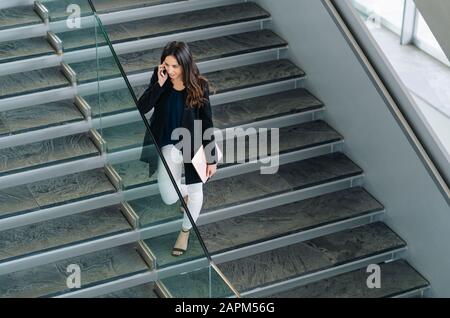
(152, 194)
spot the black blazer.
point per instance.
(156, 97)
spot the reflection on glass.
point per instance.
(204, 282)
(388, 12)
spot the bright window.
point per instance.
(426, 41)
(390, 12)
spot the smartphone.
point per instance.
(164, 72)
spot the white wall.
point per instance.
(416, 209)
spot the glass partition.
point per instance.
(152, 199)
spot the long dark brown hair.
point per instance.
(193, 81)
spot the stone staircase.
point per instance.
(69, 194)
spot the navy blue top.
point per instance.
(173, 116)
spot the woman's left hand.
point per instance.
(211, 170)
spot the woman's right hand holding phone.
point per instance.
(162, 74)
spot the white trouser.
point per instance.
(174, 159)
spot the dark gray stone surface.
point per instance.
(47, 152)
(50, 280)
(264, 107)
(24, 49)
(71, 188)
(61, 232)
(396, 278)
(18, 16)
(291, 138)
(168, 24)
(310, 256)
(287, 219)
(254, 74)
(32, 81)
(40, 116)
(16, 200)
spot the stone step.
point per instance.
(397, 278)
(54, 191)
(32, 82)
(202, 50)
(95, 268)
(296, 260)
(18, 16)
(244, 188)
(165, 25)
(46, 153)
(36, 117)
(62, 232)
(58, 9)
(24, 49)
(288, 219)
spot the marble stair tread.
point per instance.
(54, 191)
(57, 9)
(16, 200)
(233, 191)
(294, 138)
(39, 116)
(141, 291)
(288, 219)
(264, 107)
(311, 256)
(32, 82)
(398, 277)
(299, 259)
(24, 49)
(254, 74)
(293, 176)
(247, 187)
(113, 102)
(51, 279)
(18, 16)
(164, 25)
(202, 50)
(46, 152)
(291, 138)
(61, 232)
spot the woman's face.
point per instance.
(174, 70)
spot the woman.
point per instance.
(179, 95)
